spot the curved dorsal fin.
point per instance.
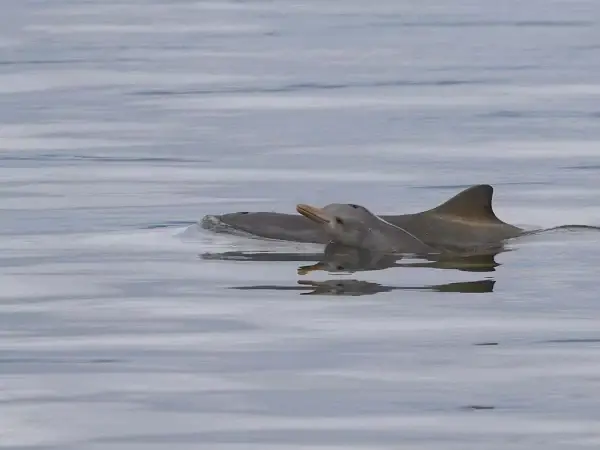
(474, 204)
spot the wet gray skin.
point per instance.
(466, 219)
(356, 226)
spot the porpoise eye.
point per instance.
(340, 221)
(354, 206)
(340, 267)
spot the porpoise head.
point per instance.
(355, 225)
(345, 223)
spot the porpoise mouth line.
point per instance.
(312, 213)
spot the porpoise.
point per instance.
(466, 219)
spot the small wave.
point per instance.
(572, 341)
(310, 86)
(584, 167)
(169, 224)
(99, 158)
(573, 228)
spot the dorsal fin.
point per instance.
(473, 204)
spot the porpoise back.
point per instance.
(467, 218)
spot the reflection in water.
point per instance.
(342, 258)
(357, 287)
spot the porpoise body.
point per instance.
(467, 219)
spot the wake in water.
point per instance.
(573, 228)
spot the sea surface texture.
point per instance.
(123, 123)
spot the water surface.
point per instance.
(122, 123)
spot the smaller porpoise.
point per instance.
(356, 226)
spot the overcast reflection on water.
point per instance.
(125, 325)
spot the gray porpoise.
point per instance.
(465, 219)
(356, 226)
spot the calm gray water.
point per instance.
(122, 123)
